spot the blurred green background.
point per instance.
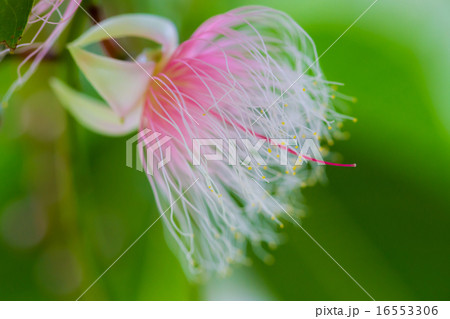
(69, 206)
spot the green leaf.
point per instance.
(14, 17)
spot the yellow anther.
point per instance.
(296, 146)
(355, 120)
(329, 127)
(283, 143)
(249, 168)
(263, 177)
(285, 105)
(294, 173)
(315, 133)
(272, 218)
(281, 226)
(282, 123)
(294, 168)
(333, 97)
(265, 167)
(295, 136)
(303, 136)
(354, 100)
(287, 172)
(278, 155)
(220, 195)
(269, 150)
(304, 90)
(262, 111)
(204, 114)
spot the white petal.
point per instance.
(95, 114)
(122, 84)
(147, 26)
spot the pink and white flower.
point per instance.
(237, 77)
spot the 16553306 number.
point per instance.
(407, 310)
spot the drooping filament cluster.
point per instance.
(248, 74)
